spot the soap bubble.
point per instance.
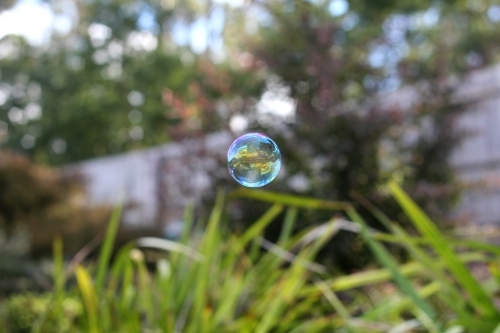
(254, 160)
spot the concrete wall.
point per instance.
(161, 179)
(156, 183)
(478, 157)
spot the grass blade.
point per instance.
(333, 300)
(107, 247)
(145, 287)
(89, 297)
(187, 222)
(388, 261)
(168, 246)
(258, 227)
(209, 248)
(451, 295)
(288, 224)
(427, 228)
(58, 268)
(287, 199)
(288, 287)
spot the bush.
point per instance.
(47, 203)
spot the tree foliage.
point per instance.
(117, 81)
(340, 68)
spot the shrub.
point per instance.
(47, 203)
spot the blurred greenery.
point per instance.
(219, 281)
(350, 131)
(129, 75)
(108, 86)
(124, 78)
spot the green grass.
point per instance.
(222, 282)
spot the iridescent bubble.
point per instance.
(254, 160)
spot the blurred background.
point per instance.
(133, 101)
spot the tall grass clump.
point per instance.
(217, 281)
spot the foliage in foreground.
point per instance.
(219, 282)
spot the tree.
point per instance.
(116, 82)
(339, 61)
